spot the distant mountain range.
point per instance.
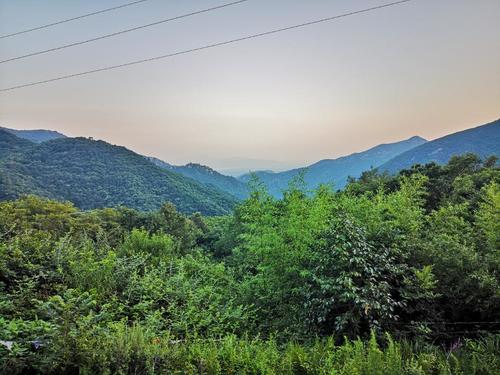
(94, 174)
(36, 136)
(483, 140)
(336, 171)
(239, 166)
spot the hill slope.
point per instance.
(207, 175)
(35, 136)
(10, 144)
(483, 140)
(338, 170)
(94, 174)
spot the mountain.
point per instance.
(10, 144)
(94, 174)
(237, 166)
(483, 140)
(207, 175)
(35, 136)
(160, 163)
(336, 171)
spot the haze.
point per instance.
(428, 68)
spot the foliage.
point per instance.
(9, 143)
(307, 284)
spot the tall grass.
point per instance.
(132, 350)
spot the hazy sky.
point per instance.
(428, 68)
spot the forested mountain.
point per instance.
(336, 171)
(9, 143)
(94, 174)
(207, 175)
(36, 136)
(483, 141)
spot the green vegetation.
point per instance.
(394, 275)
(95, 174)
(9, 143)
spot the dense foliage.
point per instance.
(394, 275)
(9, 143)
(96, 174)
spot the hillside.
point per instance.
(9, 143)
(482, 140)
(338, 170)
(35, 136)
(207, 175)
(94, 174)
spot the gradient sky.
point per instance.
(428, 68)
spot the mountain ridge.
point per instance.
(35, 135)
(95, 174)
(207, 175)
(483, 140)
(336, 171)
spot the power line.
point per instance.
(248, 37)
(124, 31)
(72, 19)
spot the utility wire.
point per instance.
(124, 31)
(72, 19)
(183, 52)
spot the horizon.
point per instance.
(318, 93)
(238, 169)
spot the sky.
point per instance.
(427, 68)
